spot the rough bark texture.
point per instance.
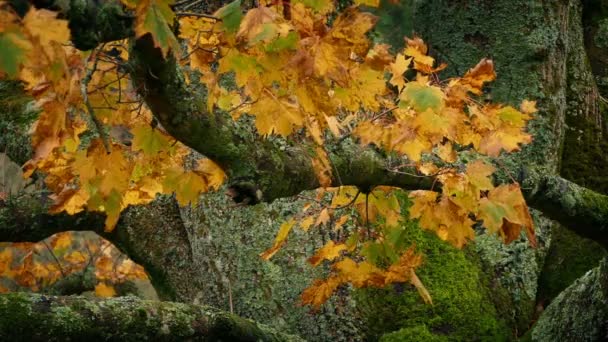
(31, 317)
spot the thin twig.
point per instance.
(192, 4)
(200, 15)
(54, 257)
(230, 297)
(384, 112)
(85, 97)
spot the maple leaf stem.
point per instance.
(504, 168)
(349, 203)
(383, 113)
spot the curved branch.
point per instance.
(33, 317)
(277, 171)
(25, 220)
(579, 209)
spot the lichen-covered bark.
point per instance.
(226, 243)
(154, 236)
(579, 313)
(31, 317)
(25, 218)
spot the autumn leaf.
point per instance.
(148, 139)
(279, 240)
(187, 186)
(230, 16)
(504, 211)
(370, 3)
(13, 50)
(320, 291)
(417, 49)
(478, 173)
(104, 290)
(422, 97)
(154, 17)
(213, 174)
(475, 78)
(397, 68)
(43, 25)
(330, 251)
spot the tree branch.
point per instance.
(278, 171)
(35, 317)
(168, 260)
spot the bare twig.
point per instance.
(192, 4)
(55, 258)
(200, 15)
(85, 97)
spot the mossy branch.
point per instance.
(33, 317)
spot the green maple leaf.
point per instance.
(422, 97)
(149, 140)
(153, 17)
(231, 16)
(13, 49)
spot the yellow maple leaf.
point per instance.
(104, 290)
(397, 68)
(213, 174)
(329, 252)
(417, 49)
(44, 25)
(279, 240)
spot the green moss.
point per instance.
(419, 333)
(569, 258)
(462, 307)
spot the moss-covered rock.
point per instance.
(32, 317)
(579, 313)
(419, 333)
(570, 257)
(463, 308)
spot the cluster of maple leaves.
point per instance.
(295, 74)
(40, 266)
